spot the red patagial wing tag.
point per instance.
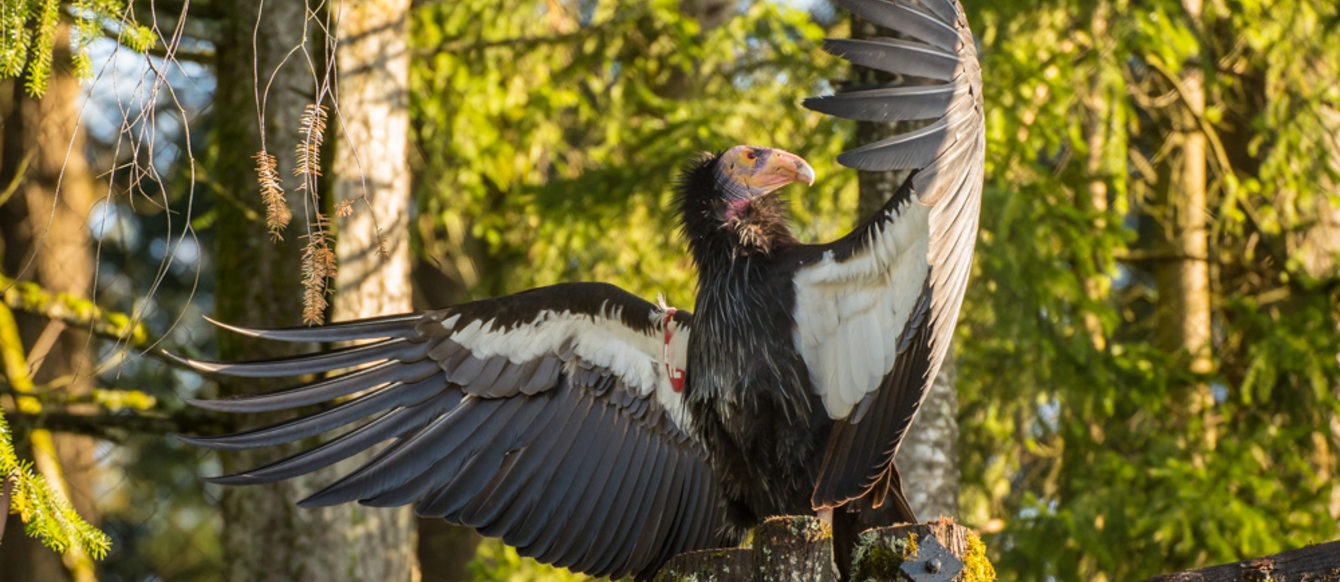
(676, 374)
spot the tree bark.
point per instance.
(928, 459)
(265, 536)
(796, 548)
(1184, 281)
(1319, 563)
(371, 178)
(43, 229)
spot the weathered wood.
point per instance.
(881, 552)
(795, 548)
(1319, 563)
(724, 565)
(799, 548)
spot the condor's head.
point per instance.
(731, 198)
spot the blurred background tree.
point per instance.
(1147, 363)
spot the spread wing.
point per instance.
(547, 418)
(876, 309)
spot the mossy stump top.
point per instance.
(799, 548)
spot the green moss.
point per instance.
(878, 557)
(976, 567)
(32, 298)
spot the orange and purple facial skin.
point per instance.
(747, 172)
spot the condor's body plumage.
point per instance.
(595, 430)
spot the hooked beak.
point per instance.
(782, 168)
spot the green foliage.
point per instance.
(1085, 450)
(42, 505)
(29, 30)
(47, 515)
(551, 140)
(497, 561)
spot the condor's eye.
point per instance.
(750, 155)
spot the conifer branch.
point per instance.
(277, 213)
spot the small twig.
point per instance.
(19, 173)
(77, 312)
(116, 426)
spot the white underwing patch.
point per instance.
(849, 314)
(600, 339)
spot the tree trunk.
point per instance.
(1096, 135)
(265, 536)
(928, 459)
(43, 229)
(1184, 280)
(371, 178)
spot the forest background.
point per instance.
(1147, 374)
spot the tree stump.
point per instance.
(800, 548)
(724, 565)
(793, 548)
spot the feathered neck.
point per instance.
(721, 226)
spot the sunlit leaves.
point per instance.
(1081, 449)
(557, 135)
(30, 30)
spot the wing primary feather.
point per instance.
(398, 348)
(323, 390)
(942, 8)
(381, 327)
(907, 151)
(885, 104)
(311, 425)
(447, 441)
(456, 490)
(896, 56)
(907, 19)
(391, 424)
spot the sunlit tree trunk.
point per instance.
(1319, 250)
(43, 229)
(1184, 278)
(371, 183)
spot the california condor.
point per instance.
(582, 408)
